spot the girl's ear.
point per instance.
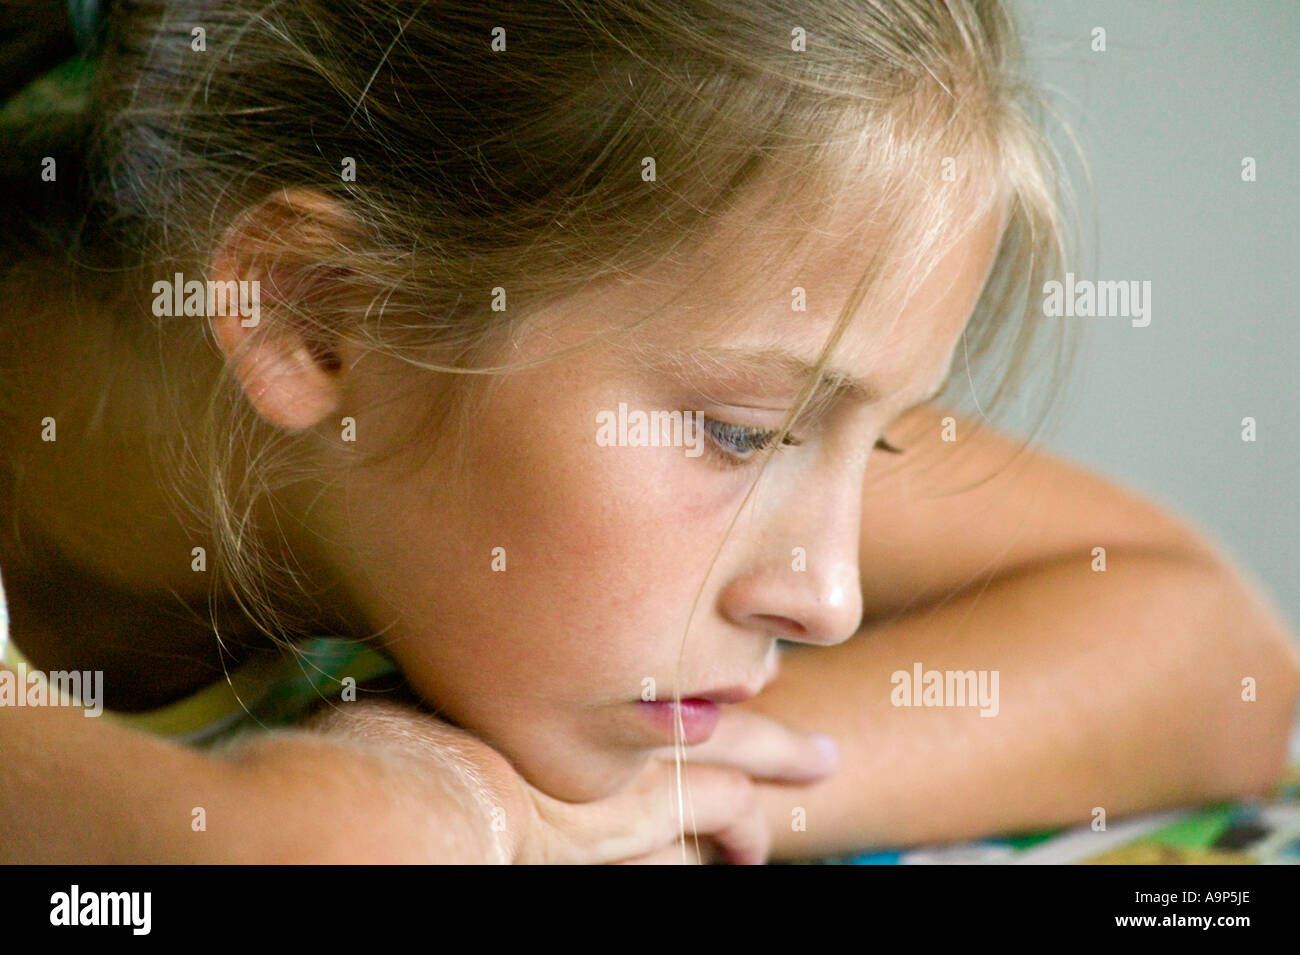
(290, 370)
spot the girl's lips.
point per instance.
(699, 718)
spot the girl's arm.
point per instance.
(86, 791)
(1120, 688)
(368, 782)
(1123, 693)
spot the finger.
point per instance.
(722, 812)
(763, 747)
(719, 803)
(677, 854)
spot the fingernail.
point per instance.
(827, 747)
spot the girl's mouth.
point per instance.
(699, 718)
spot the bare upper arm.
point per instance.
(947, 514)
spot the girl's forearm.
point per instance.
(80, 790)
(1120, 689)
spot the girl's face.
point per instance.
(533, 592)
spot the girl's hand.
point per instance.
(519, 823)
(639, 824)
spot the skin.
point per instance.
(596, 594)
(607, 547)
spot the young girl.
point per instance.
(538, 357)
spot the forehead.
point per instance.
(768, 279)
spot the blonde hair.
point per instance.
(520, 169)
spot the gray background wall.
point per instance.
(1183, 92)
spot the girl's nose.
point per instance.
(821, 604)
(802, 582)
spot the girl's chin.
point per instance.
(596, 776)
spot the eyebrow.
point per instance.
(774, 362)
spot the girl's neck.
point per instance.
(98, 567)
(99, 502)
(94, 420)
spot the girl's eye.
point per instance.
(738, 443)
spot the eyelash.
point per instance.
(724, 436)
